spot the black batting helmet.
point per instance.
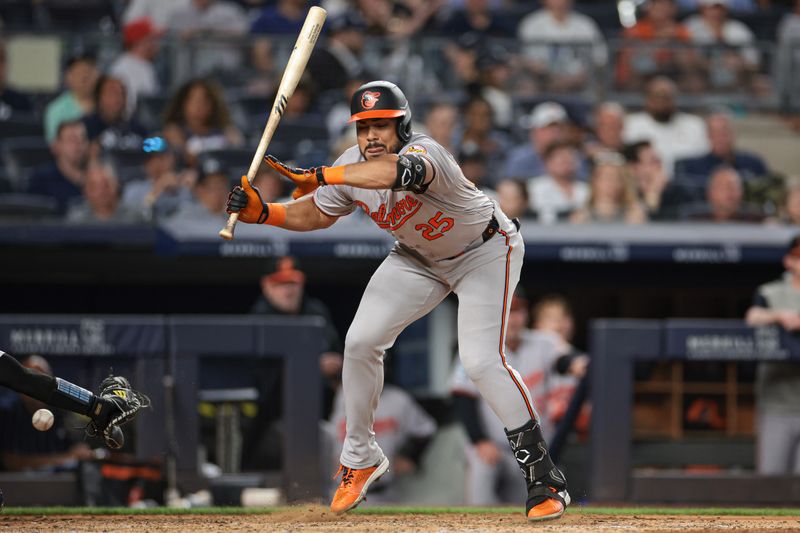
(382, 99)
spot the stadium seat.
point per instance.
(17, 205)
(22, 154)
(21, 125)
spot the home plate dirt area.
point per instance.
(318, 518)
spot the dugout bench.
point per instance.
(615, 346)
(162, 356)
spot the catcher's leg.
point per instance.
(53, 391)
(400, 291)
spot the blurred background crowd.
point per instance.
(578, 112)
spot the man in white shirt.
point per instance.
(672, 133)
(135, 67)
(558, 193)
(552, 39)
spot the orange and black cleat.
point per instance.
(550, 507)
(354, 484)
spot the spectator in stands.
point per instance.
(209, 193)
(640, 59)
(732, 60)
(558, 193)
(333, 65)
(339, 129)
(608, 122)
(101, 194)
(77, 100)
(512, 195)
(475, 169)
(661, 197)
(724, 200)
(208, 18)
(479, 134)
(441, 122)
(405, 430)
(494, 73)
(158, 11)
(722, 139)
(283, 294)
(673, 133)
(398, 19)
(108, 128)
(197, 120)
(11, 101)
(777, 388)
(22, 447)
(613, 195)
(560, 46)
(546, 124)
(63, 178)
(142, 41)
(476, 16)
(284, 17)
(163, 188)
(212, 19)
(492, 476)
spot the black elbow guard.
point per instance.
(410, 174)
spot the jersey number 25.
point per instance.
(436, 227)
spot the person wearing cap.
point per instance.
(77, 100)
(333, 65)
(135, 67)
(777, 387)
(208, 194)
(561, 47)
(546, 124)
(714, 30)
(492, 476)
(163, 188)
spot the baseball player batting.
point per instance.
(450, 238)
(116, 405)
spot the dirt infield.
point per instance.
(311, 518)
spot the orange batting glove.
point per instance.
(246, 200)
(307, 179)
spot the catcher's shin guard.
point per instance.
(547, 487)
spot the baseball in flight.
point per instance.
(43, 419)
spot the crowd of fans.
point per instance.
(123, 149)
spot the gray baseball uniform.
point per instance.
(439, 250)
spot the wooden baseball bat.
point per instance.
(291, 75)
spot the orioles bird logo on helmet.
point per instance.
(369, 99)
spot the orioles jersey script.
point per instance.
(438, 224)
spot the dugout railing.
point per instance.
(616, 345)
(162, 355)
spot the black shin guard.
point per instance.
(52, 391)
(543, 478)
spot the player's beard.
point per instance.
(395, 148)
